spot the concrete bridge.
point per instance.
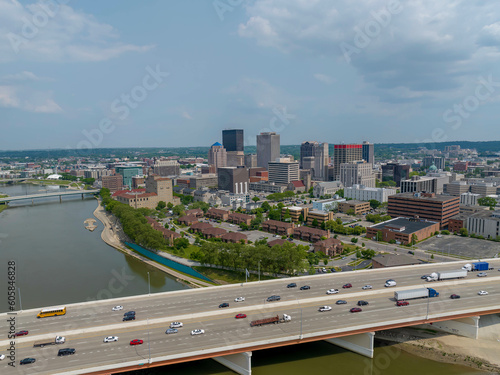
(59, 194)
(231, 341)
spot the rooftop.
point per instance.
(393, 260)
(408, 225)
(437, 197)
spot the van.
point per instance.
(66, 351)
(389, 283)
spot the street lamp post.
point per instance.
(149, 343)
(20, 301)
(259, 270)
(149, 285)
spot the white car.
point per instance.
(111, 338)
(176, 325)
(332, 291)
(482, 292)
(197, 332)
(367, 287)
(325, 308)
(2, 357)
(117, 308)
(482, 274)
(239, 299)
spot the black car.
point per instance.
(129, 313)
(291, 285)
(362, 303)
(225, 304)
(66, 351)
(128, 317)
(305, 287)
(27, 361)
(411, 252)
(454, 296)
(340, 302)
(424, 277)
(273, 298)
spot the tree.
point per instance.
(350, 212)
(161, 205)
(170, 205)
(487, 201)
(340, 193)
(266, 206)
(301, 218)
(354, 240)
(166, 226)
(315, 223)
(379, 236)
(178, 210)
(463, 232)
(181, 243)
(256, 199)
(374, 204)
(414, 239)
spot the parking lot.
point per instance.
(464, 246)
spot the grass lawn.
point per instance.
(50, 182)
(3, 207)
(229, 277)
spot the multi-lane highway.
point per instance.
(86, 325)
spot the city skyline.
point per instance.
(84, 75)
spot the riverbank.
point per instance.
(113, 235)
(481, 354)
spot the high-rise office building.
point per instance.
(232, 140)
(345, 154)
(357, 173)
(233, 179)
(268, 148)
(250, 160)
(166, 167)
(314, 156)
(437, 161)
(368, 151)
(283, 171)
(217, 156)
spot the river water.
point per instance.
(60, 262)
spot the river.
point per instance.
(60, 262)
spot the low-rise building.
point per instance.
(237, 218)
(331, 247)
(278, 227)
(213, 232)
(469, 199)
(187, 220)
(393, 260)
(484, 223)
(310, 234)
(322, 189)
(234, 237)
(198, 212)
(296, 186)
(218, 214)
(295, 212)
(319, 216)
(266, 187)
(327, 204)
(358, 207)
(402, 230)
(199, 226)
(457, 222)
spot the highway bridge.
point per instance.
(231, 341)
(59, 194)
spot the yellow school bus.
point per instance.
(54, 311)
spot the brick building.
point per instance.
(331, 247)
(402, 230)
(217, 213)
(310, 234)
(359, 207)
(237, 218)
(278, 227)
(234, 237)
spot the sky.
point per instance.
(120, 73)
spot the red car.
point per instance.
(136, 342)
(241, 316)
(348, 285)
(356, 309)
(402, 303)
(21, 333)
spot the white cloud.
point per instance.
(186, 115)
(324, 78)
(22, 76)
(55, 32)
(29, 100)
(423, 46)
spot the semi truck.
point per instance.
(478, 266)
(415, 293)
(446, 275)
(273, 320)
(42, 343)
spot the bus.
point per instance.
(54, 311)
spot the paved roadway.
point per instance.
(221, 327)
(48, 195)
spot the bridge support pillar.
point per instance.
(240, 363)
(82, 196)
(467, 327)
(32, 202)
(361, 343)
(60, 199)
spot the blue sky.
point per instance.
(119, 73)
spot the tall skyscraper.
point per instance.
(217, 156)
(368, 152)
(232, 140)
(345, 154)
(314, 156)
(357, 173)
(268, 148)
(233, 179)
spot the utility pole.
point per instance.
(149, 286)
(259, 270)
